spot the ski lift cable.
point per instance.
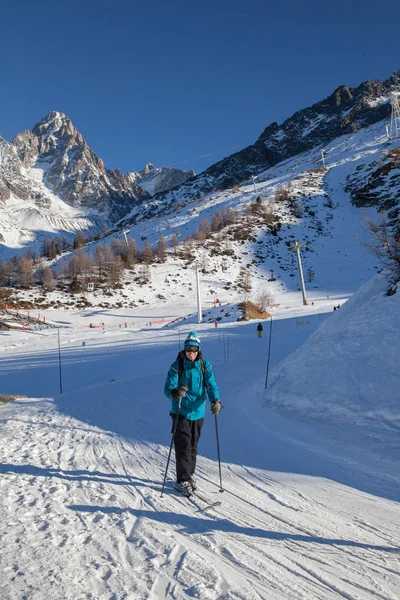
(180, 162)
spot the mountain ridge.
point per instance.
(52, 168)
(348, 109)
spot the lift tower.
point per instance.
(395, 116)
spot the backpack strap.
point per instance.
(181, 367)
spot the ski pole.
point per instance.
(170, 448)
(269, 354)
(221, 489)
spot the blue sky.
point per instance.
(167, 83)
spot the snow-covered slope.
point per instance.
(25, 222)
(81, 516)
(336, 259)
(347, 371)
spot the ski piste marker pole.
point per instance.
(221, 489)
(170, 448)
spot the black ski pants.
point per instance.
(187, 436)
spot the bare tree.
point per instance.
(199, 235)
(131, 253)
(229, 216)
(108, 255)
(49, 248)
(264, 299)
(100, 260)
(187, 249)
(244, 283)
(46, 277)
(117, 246)
(115, 270)
(148, 253)
(79, 240)
(63, 269)
(80, 267)
(6, 272)
(282, 194)
(25, 272)
(162, 248)
(205, 228)
(216, 221)
(174, 242)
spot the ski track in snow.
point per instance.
(87, 498)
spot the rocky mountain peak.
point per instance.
(393, 81)
(73, 171)
(148, 168)
(342, 96)
(160, 179)
(55, 132)
(55, 123)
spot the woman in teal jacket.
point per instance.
(188, 381)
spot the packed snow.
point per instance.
(305, 512)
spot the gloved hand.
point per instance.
(215, 407)
(179, 392)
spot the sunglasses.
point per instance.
(191, 349)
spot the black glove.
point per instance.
(179, 392)
(215, 407)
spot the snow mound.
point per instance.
(348, 369)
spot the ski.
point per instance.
(209, 503)
(200, 500)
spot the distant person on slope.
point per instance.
(259, 330)
(188, 380)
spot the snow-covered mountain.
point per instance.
(315, 209)
(160, 179)
(326, 126)
(73, 171)
(346, 110)
(29, 208)
(52, 182)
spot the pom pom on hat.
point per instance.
(192, 339)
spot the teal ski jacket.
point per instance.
(193, 405)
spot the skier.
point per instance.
(259, 330)
(188, 380)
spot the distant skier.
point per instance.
(188, 380)
(259, 330)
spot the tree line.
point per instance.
(107, 262)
